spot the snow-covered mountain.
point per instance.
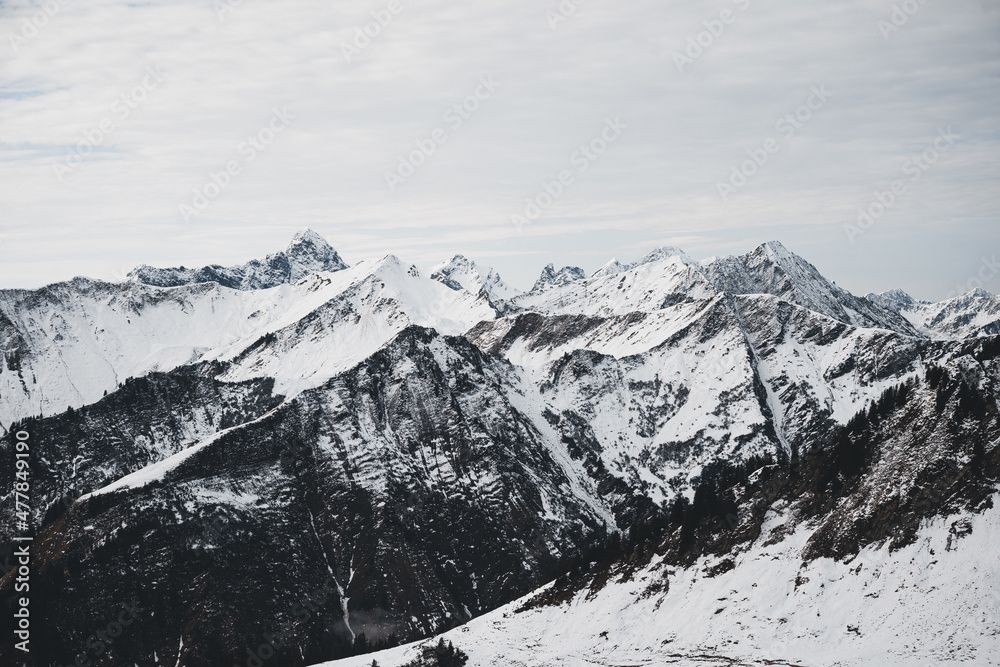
(614, 267)
(668, 276)
(895, 300)
(550, 277)
(461, 273)
(648, 287)
(432, 448)
(307, 253)
(976, 313)
(67, 344)
(773, 269)
(880, 550)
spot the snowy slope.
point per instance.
(659, 398)
(895, 300)
(664, 393)
(650, 286)
(770, 609)
(438, 459)
(423, 480)
(667, 276)
(614, 267)
(68, 343)
(362, 309)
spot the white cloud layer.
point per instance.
(219, 81)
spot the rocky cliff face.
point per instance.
(420, 483)
(144, 422)
(551, 277)
(876, 548)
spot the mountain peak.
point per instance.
(307, 253)
(458, 261)
(308, 241)
(309, 236)
(773, 269)
(898, 294)
(565, 275)
(311, 253)
(461, 273)
(895, 300)
(774, 252)
(659, 254)
(612, 268)
(775, 248)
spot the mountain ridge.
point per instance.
(432, 450)
(308, 252)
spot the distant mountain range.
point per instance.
(664, 460)
(307, 253)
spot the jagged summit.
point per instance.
(307, 253)
(307, 243)
(565, 275)
(667, 276)
(974, 313)
(461, 273)
(775, 249)
(773, 269)
(895, 300)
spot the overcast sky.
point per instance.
(182, 84)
